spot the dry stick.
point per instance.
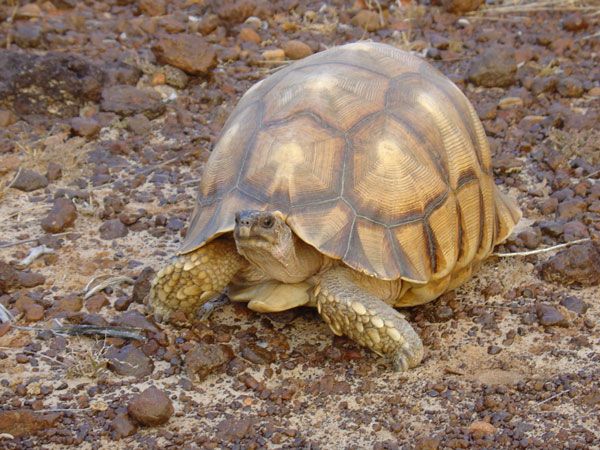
(121, 332)
(106, 283)
(541, 250)
(5, 314)
(27, 241)
(553, 397)
(35, 253)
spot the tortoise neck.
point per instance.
(291, 263)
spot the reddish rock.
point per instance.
(7, 118)
(248, 34)
(54, 171)
(113, 229)
(25, 422)
(129, 361)
(495, 67)
(188, 52)
(482, 428)
(570, 87)
(95, 303)
(204, 359)
(575, 22)
(153, 7)
(84, 126)
(141, 287)
(128, 100)
(30, 279)
(151, 408)
(122, 426)
(461, 6)
(61, 216)
(296, 49)
(9, 278)
(578, 264)
(549, 315)
(367, 20)
(33, 312)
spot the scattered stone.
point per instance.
(461, 6)
(549, 315)
(575, 22)
(33, 311)
(510, 103)
(141, 288)
(248, 34)
(7, 118)
(61, 216)
(23, 422)
(296, 49)
(9, 278)
(204, 359)
(28, 11)
(575, 304)
(129, 361)
(151, 408)
(569, 209)
(113, 229)
(256, 354)
(84, 126)
(531, 237)
(235, 429)
(122, 426)
(123, 303)
(30, 279)
(496, 67)
(574, 230)
(135, 319)
(175, 77)
(56, 84)
(188, 52)
(28, 180)
(494, 350)
(367, 20)
(274, 55)
(153, 7)
(578, 264)
(128, 100)
(54, 171)
(96, 302)
(27, 35)
(570, 87)
(482, 428)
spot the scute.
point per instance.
(375, 157)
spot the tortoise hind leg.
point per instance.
(194, 278)
(350, 310)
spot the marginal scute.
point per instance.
(375, 159)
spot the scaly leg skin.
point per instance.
(350, 310)
(194, 278)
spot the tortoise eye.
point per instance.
(268, 222)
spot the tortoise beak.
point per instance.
(244, 220)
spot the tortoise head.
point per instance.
(262, 230)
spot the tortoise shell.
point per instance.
(375, 158)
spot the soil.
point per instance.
(108, 112)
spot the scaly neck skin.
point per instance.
(291, 263)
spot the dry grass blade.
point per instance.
(542, 250)
(527, 6)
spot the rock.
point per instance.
(153, 7)
(496, 67)
(296, 49)
(135, 319)
(113, 229)
(510, 103)
(235, 429)
(482, 428)
(428, 443)
(569, 209)
(578, 264)
(190, 53)
(122, 426)
(56, 84)
(28, 180)
(30, 279)
(531, 237)
(274, 55)
(575, 304)
(28, 11)
(123, 303)
(549, 315)
(256, 354)
(248, 34)
(151, 408)
(575, 22)
(129, 361)
(54, 171)
(574, 230)
(7, 118)
(27, 35)
(33, 312)
(61, 216)
(204, 359)
(367, 20)
(24, 422)
(96, 302)
(461, 6)
(128, 100)
(175, 77)
(86, 127)
(570, 87)
(141, 288)
(9, 278)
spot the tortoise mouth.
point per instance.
(255, 228)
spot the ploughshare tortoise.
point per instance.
(356, 180)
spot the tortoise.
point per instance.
(356, 180)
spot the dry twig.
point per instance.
(542, 250)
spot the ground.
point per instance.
(114, 106)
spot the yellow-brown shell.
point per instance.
(375, 157)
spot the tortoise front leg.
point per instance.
(194, 278)
(350, 310)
